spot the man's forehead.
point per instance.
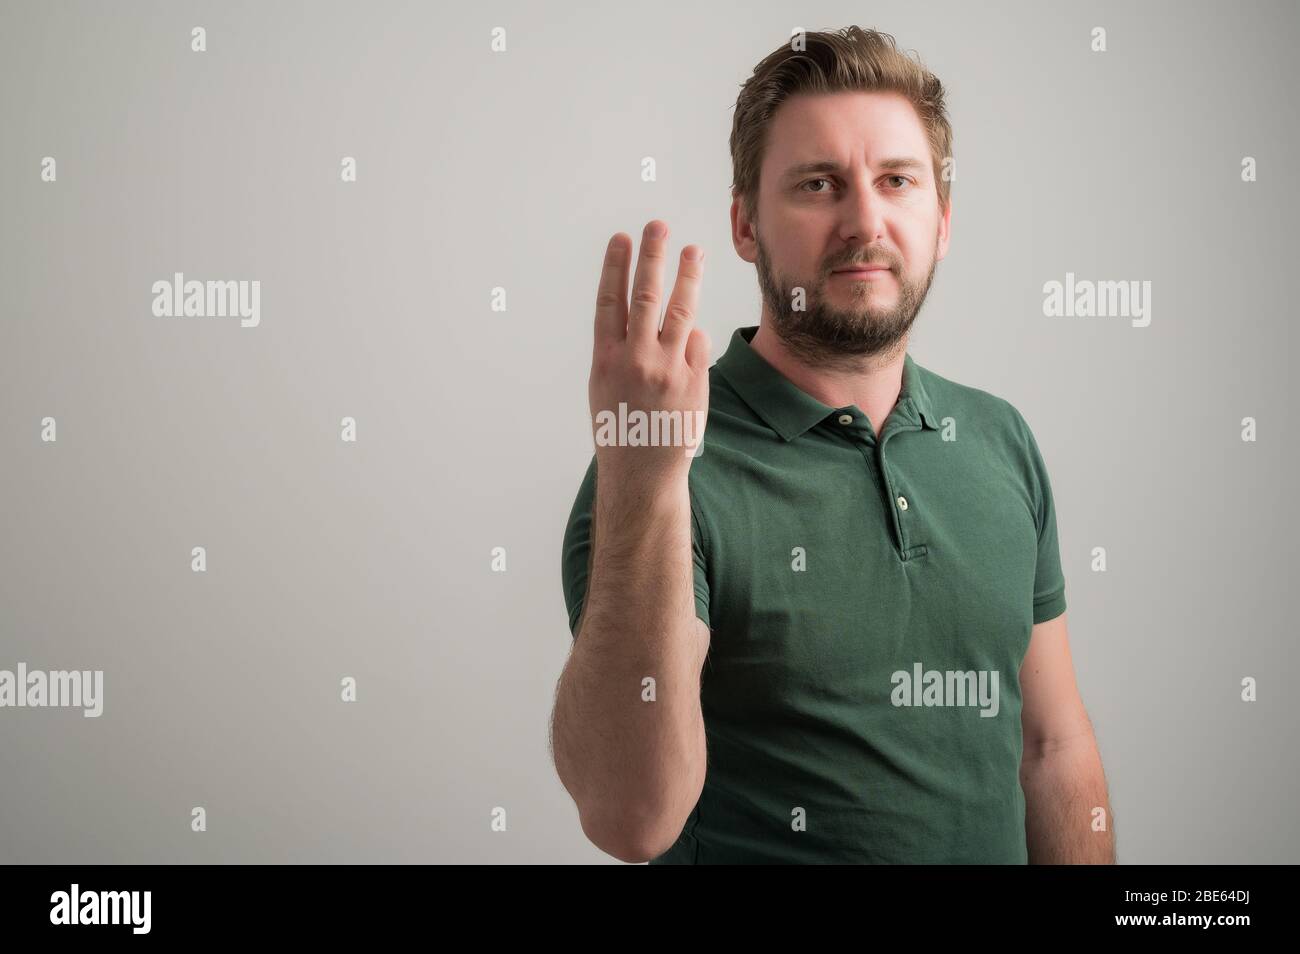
(839, 126)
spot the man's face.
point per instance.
(833, 195)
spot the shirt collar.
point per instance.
(788, 410)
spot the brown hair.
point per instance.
(851, 59)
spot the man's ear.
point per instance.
(945, 230)
(742, 232)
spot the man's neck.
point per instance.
(872, 383)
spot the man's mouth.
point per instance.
(863, 271)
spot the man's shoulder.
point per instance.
(978, 406)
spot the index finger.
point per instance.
(611, 293)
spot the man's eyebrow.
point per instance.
(906, 163)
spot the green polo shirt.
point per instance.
(870, 601)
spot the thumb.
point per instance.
(697, 350)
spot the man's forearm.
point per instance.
(1064, 787)
(634, 763)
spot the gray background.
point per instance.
(476, 170)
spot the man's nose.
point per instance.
(863, 211)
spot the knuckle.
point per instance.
(645, 296)
(603, 359)
(648, 372)
(677, 312)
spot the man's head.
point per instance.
(840, 149)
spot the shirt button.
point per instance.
(846, 418)
(902, 502)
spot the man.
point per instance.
(837, 634)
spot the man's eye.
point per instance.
(903, 179)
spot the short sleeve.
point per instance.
(575, 562)
(1049, 580)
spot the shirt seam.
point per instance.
(705, 545)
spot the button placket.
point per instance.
(899, 502)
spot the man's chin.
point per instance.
(844, 339)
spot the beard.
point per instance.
(825, 334)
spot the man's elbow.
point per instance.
(632, 837)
